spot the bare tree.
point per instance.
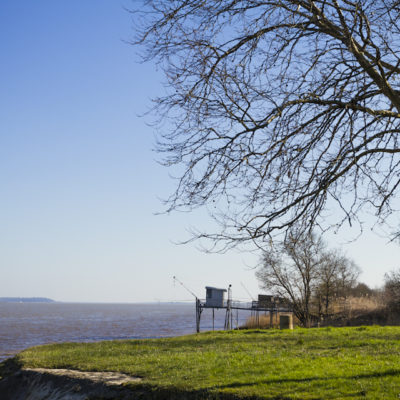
(337, 277)
(363, 290)
(304, 271)
(278, 110)
(292, 270)
(391, 290)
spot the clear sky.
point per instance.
(78, 177)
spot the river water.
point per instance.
(23, 325)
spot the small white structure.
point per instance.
(215, 297)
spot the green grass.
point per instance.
(326, 363)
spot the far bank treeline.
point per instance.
(26, 300)
(323, 284)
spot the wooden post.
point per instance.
(198, 315)
(228, 315)
(213, 318)
(227, 319)
(237, 319)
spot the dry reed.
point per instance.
(261, 322)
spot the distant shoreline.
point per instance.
(26, 300)
(47, 300)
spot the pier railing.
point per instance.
(249, 305)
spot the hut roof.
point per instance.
(214, 288)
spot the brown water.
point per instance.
(23, 325)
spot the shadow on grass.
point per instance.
(392, 372)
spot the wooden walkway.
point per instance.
(254, 307)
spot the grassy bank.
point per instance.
(326, 363)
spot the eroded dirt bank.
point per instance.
(62, 384)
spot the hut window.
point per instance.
(209, 293)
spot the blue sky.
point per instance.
(79, 180)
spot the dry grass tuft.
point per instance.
(260, 322)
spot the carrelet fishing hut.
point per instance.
(215, 297)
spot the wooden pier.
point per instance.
(215, 300)
(270, 306)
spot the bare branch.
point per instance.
(278, 110)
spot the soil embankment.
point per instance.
(63, 384)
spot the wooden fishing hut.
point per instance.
(215, 299)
